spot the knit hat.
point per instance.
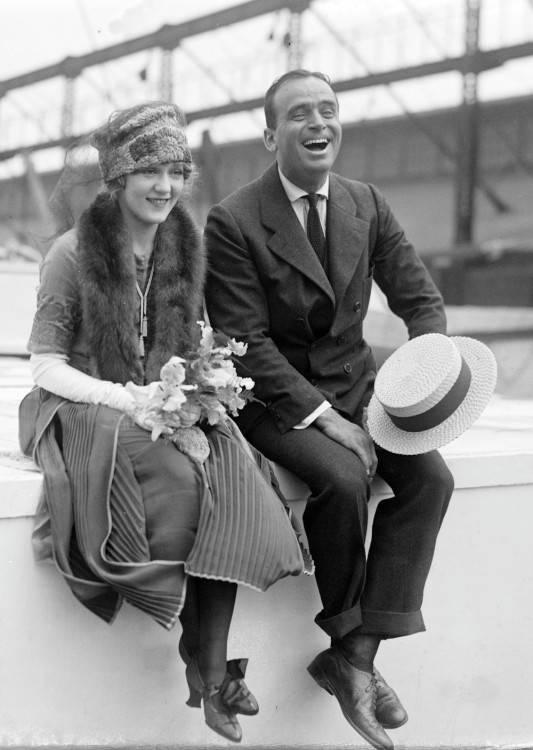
(430, 391)
(141, 136)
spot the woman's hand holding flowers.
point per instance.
(201, 389)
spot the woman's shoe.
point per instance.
(218, 716)
(234, 690)
(235, 693)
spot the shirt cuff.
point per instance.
(311, 417)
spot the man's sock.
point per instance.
(360, 650)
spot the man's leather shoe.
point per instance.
(389, 711)
(355, 691)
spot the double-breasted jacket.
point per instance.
(303, 323)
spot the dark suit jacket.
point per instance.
(304, 328)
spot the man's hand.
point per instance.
(351, 436)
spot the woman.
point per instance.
(122, 516)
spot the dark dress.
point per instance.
(126, 518)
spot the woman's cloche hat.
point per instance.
(430, 391)
(141, 136)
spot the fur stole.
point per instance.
(110, 303)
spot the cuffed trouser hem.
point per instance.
(371, 622)
(340, 625)
(391, 624)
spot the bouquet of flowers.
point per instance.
(201, 389)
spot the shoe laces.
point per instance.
(380, 682)
(372, 689)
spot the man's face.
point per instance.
(307, 136)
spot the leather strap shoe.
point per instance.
(389, 711)
(218, 716)
(355, 691)
(234, 690)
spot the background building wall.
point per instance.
(396, 154)
(410, 159)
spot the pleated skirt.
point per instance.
(160, 517)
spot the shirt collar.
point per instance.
(294, 192)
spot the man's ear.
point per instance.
(269, 138)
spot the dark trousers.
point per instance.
(380, 593)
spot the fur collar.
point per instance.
(110, 301)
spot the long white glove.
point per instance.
(52, 372)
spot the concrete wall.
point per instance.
(70, 679)
(18, 294)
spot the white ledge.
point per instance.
(496, 452)
(20, 486)
(454, 679)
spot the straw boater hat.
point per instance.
(429, 391)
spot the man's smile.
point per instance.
(316, 144)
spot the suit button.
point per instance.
(340, 340)
(347, 367)
(300, 321)
(357, 306)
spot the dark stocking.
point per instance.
(190, 619)
(216, 600)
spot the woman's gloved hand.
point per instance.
(141, 395)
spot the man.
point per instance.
(294, 283)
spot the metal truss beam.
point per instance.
(468, 134)
(484, 60)
(167, 37)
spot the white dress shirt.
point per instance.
(300, 204)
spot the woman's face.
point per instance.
(150, 194)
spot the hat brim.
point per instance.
(483, 368)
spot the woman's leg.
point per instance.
(171, 522)
(207, 671)
(190, 621)
(216, 601)
(171, 487)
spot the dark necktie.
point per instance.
(314, 228)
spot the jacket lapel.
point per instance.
(347, 237)
(288, 240)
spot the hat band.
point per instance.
(442, 409)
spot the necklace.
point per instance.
(143, 317)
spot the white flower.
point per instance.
(238, 348)
(175, 401)
(204, 388)
(173, 372)
(220, 376)
(246, 383)
(207, 338)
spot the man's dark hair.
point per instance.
(270, 112)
